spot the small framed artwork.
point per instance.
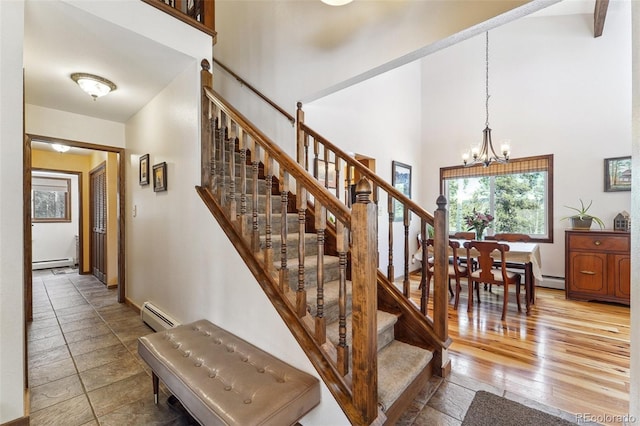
(401, 180)
(325, 173)
(160, 177)
(617, 174)
(143, 173)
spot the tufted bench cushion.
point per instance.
(223, 380)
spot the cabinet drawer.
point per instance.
(599, 242)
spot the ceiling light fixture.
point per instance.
(336, 2)
(60, 148)
(485, 154)
(94, 85)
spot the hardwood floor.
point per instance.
(566, 354)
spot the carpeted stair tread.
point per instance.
(331, 269)
(311, 249)
(385, 323)
(398, 365)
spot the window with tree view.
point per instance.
(518, 194)
(50, 199)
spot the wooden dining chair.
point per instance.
(486, 273)
(456, 270)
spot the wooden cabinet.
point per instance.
(598, 266)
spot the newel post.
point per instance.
(206, 80)
(441, 279)
(364, 266)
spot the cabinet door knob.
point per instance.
(588, 272)
(597, 242)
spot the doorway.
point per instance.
(117, 209)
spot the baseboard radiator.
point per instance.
(155, 318)
(52, 263)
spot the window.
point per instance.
(518, 194)
(50, 199)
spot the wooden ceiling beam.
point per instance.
(599, 15)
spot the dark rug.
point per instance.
(493, 410)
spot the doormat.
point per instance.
(60, 271)
(493, 410)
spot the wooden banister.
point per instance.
(243, 82)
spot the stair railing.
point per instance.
(238, 164)
(313, 149)
(199, 14)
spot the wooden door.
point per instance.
(98, 207)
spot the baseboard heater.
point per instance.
(155, 318)
(52, 263)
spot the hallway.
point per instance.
(84, 368)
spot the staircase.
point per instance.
(315, 257)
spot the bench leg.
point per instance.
(155, 387)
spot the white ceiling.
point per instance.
(61, 39)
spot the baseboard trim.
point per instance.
(22, 421)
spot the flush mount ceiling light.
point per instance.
(94, 85)
(60, 148)
(336, 2)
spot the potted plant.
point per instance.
(583, 220)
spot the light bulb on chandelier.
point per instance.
(485, 154)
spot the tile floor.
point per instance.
(84, 368)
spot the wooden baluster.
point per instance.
(234, 130)
(212, 161)
(206, 80)
(440, 283)
(316, 164)
(268, 251)
(223, 159)
(243, 181)
(390, 271)
(364, 302)
(284, 199)
(325, 183)
(338, 166)
(342, 245)
(300, 135)
(255, 232)
(301, 294)
(348, 183)
(406, 284)
(424, 295)
(321, 225)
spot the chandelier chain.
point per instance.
(487, 77)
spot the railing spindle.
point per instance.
(343, 349)
(268, 171)
(284, 200)
(243, 180)
(390, 271)
(301, 294)
(424, 293)
(255, 231)
(321, 225)
(406, 284)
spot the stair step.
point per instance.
(331, 270)
(398, 365)
(310, 248)
(385, 324)
(276, 219)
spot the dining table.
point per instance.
(524, 255)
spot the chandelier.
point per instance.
(485, 154)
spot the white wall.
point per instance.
(380, 118)
(57, 240)
(11, 244)
(66, 125)
(177, 255)
(297, 50)
(554, 90)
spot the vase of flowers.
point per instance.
(478, 222)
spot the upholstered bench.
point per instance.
(221, 379)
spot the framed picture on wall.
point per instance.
(143, 174)
(617, 174)
(401, 180)
(160, 177)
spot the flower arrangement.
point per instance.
(477, 222)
